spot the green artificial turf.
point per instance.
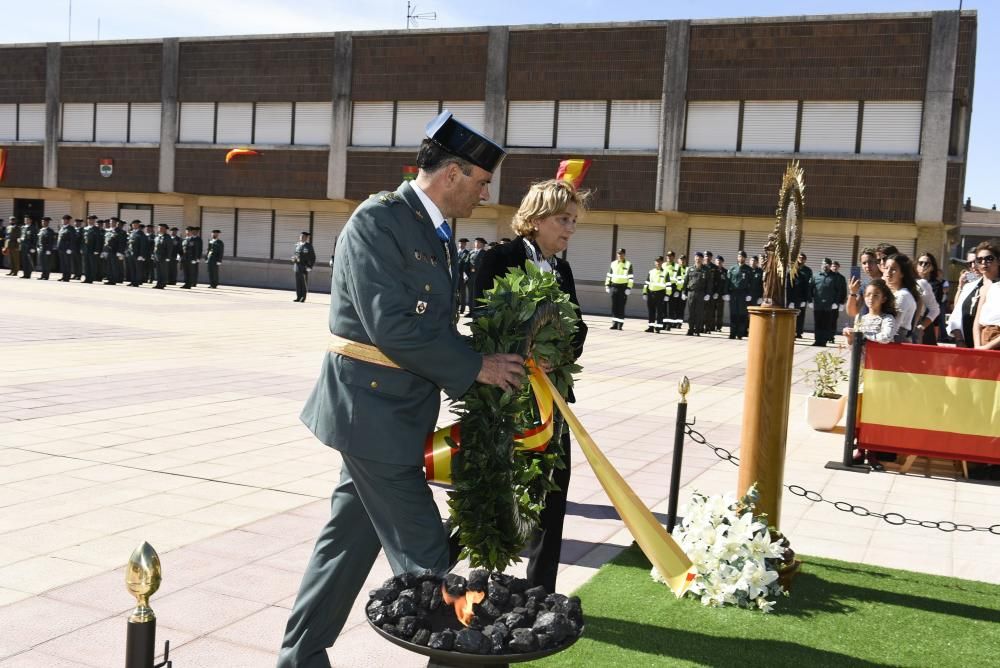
(839, 614)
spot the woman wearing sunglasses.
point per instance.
(928, 270)
(986, 330)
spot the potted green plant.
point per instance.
(826, 405)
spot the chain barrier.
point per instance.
(894, 519)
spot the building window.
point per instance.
(144, 123)
(197, 122)
(253, 233)
(634, 124)
(234, 123)
(372, 124)
(582, 124)
(272, 123)
(829, 127)
(8, 122)
(112, 122)
(78, 122)
(31, 122)
(769, 125)
(530, 123)
(891, 127)
(472, 114)
(312, 123)
(712, 126)
(411, 121)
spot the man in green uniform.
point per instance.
(840, 296)
(175, 256)
(191, 252)
(29, 243)
(78, 249)
(163, 252)
(92, 243)
(678, 297)
(46, 248)
(216, 251)
(464, 252)
(135, 261)
(303, 259)
(740, 285)
(618, 284)
(655, 293)
(65, 243)
(722, 288)
(393, 304)
(757, 282)
(698, 289)
(826, 298)
(800, 294)
(12, 245)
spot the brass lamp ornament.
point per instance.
(142, 579)
(781, 251)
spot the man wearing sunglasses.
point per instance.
(986, 327)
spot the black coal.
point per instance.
(513, 618)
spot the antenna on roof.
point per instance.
(412, 16)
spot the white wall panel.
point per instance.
(753, 243)
(102, 210)
(712, 126)
(77, 122)
(312, 123)
(721, 242)
(635, 124)
(891, 127)
(144, 125)
(411, 121)
(214, 219)
(273, 123)
(581, 124)
(288, 225)
(838, 249)
(172, 216)
(197, 122)
(8, 122)
(907, 247)
(769, 125)
(530, 123)
(234, 122)
(471, 114)
(128, 214)
(253, 233)
(56, 209)
(31, 122)
(470, 228)
(642, 246)
(372, 124)
(829, 127)
(590, 252)
(327, 227)
(112, 122)
(6, 210)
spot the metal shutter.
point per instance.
(411, 121)
(112, 122)
(472, 114)
(313, 121)
(288, 225)
(102, 210)
(753, 243)
(144, 126)
(6, 209)
(769, 126)
(31, 122)
(171, 216)
(327, 226)
(78, 122)
(530, 123)
(829, 127)
(642, 246)
(197, 122)
(129, 214)
(372, 124)
(907, 247)
(470, 228)
(634, 124)
(214, 219)
(891, 127)
(233, 123)
(582, 124)
(253, 233)
(838, 249)
(711, 126)
(273, 123)
(56, 209)
(8, 122)
(590, 252)
(720, 242)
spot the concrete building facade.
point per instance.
(689, 125)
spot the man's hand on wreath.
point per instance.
(504, 370)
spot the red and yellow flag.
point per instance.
(573, 170)
(931, 401)
(410, 172)
(3, 163)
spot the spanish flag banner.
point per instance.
(931, 401)
(573, 171)
(3, 163)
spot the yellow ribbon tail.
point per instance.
(661, 550)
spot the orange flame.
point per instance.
(463, 604)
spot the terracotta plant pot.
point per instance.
(823, 413)
(787, 573)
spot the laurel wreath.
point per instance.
(498, 492)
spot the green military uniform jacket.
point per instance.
(826, 290)
(740, 279)
(699, 281)
(392, 288)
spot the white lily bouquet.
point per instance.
(736, 556)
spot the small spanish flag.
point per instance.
(409, 172)
(573, 170)
(931, 401)
(236, 152)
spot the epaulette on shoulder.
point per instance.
(387, 198)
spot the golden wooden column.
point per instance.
(765, 406)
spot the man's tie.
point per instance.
(444, 232)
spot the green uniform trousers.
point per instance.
(375, 505)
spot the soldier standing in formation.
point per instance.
(46, 244)
(740, 283)
(475, 261)
(191, 252)
(678, 297)
(463, 275)
(827, 298)
(175, 251)
(163, 253)
(722, 289)
(92, 244)
(842, 291)
(149, 240)
(29, 243)
(12, 246)
(134, 246)
(303, 259)
(800, 295)
(698, 286)
(78, 249)
(757, 282)
(654, 293)
(65, 243)
(618, 284)
(216, 251)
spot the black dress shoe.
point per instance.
(690, 333)
(650, 330)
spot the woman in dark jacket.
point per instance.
(544, 224)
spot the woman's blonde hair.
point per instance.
(544, 199)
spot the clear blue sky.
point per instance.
(48, 20)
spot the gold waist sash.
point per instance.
(363, 352)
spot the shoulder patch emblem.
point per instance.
(389, 198)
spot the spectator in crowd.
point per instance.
(963, 312)
(986, 330)
(902, 280)
(925, 331)
(879, 322)
(929, 270)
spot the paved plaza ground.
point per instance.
(172, 417)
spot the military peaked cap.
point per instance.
(461, 141)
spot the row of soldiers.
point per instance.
(103, 251)
(673, 286)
